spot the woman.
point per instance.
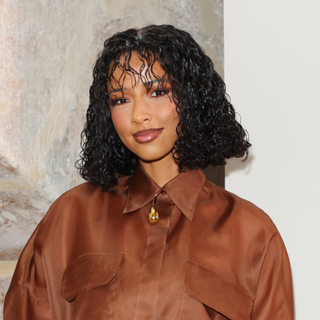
(148, 237)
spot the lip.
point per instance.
(147, 135)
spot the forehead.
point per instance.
(134, 68)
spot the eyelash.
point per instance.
(163, 92)
(117, 101)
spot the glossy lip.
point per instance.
(147, 135)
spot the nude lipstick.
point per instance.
(147, 135)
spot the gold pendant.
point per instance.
(153, 216)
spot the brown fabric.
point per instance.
(95, 256)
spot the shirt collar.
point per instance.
(183, 190)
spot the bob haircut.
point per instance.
(208, 132)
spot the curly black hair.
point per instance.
(208, 132)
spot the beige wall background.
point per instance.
(47, 52)
(272, 72)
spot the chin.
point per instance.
(154, 157)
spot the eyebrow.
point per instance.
(148, 83)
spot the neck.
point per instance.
(161, 171)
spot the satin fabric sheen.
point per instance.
(96, 256)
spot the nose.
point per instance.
(140, 112)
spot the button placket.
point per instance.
(153, 259)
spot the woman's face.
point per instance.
(145, 120)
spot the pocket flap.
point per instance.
(89, 271)
(217, 292)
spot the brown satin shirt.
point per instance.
(96, 256)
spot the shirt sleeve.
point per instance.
(27, 297)
(274, 299)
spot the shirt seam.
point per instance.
(259, 277)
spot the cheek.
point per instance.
(169, 115)
(174, 120)
(119, 122)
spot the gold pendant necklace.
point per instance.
(153, 216)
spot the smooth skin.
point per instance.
(138, 109)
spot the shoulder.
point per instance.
(238, 212)
(83, 202)
(88, 193)
(76, 197)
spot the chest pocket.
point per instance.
(88, 272)
(217, 292)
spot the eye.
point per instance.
(117, 102)
(159, 93)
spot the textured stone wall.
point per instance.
(47, 52)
